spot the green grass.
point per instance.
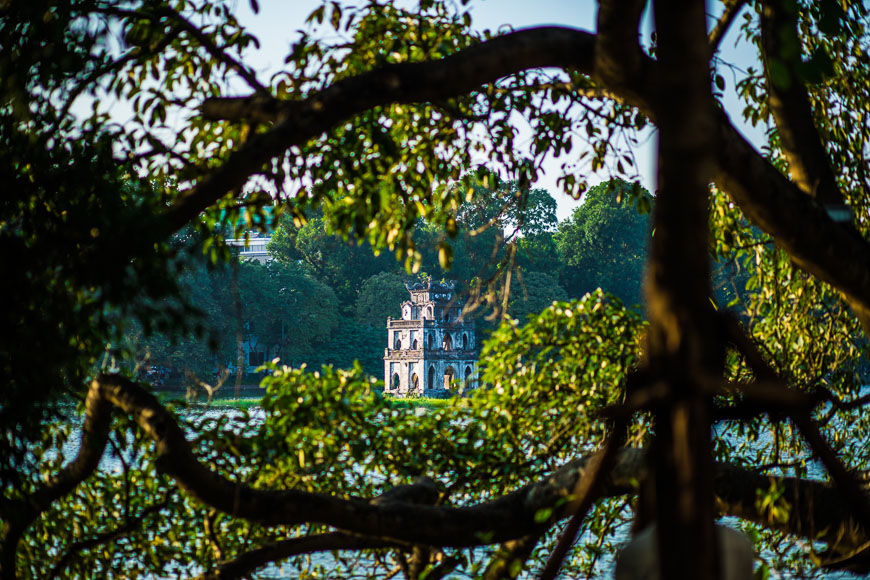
(240, 403)
(227, 401)
(414, 402)
(219, 402)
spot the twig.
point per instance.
(107, 537)
(584, 494)
(841, 476)
(246, 563)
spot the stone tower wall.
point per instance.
(444, 359)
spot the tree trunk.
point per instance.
(682, 337)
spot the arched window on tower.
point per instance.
(397, 344)
(468, 377)
(396, 382)
(431, 342)
(464, 341)
(448, 378)
(431, 380)
(414, 345)
(448, 342)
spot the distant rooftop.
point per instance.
(253, 247)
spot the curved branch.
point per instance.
(299, 121)
(819, 511)
(767, 197)
(107, 537)
(244, 565)
(457, 74)
(499, 520)
(732, 9)
(18, 515)
(618, 56)
(794, 219)
(789, 102)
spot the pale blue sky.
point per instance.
(278, 21)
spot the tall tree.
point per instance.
(605, 241)
(392, 119)
(532, 292)
(380, 296)
(341, 264)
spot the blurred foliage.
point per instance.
(573, 356)
(96, 277)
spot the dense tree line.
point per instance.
(323, 299)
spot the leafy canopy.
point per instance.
(397, 124)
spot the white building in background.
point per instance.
(431, 350)
(253, 247)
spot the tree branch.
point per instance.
(109, 536)
(299, 121)
(789, 103)
(499, 520)
(844, 480)
(794, 219)
(18, 515)
(249, 562)
(422, 491)
(767, 198)
(618, 56)
(819, 513)
(732, 9)
(586, 492)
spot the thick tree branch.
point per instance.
(819, 512)
(502, 519)
(794, 219)
(732, 9)
(18, 515)
(766, 196)
(816, 511)
(618, 56)
(789, 103)
(461, 73)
